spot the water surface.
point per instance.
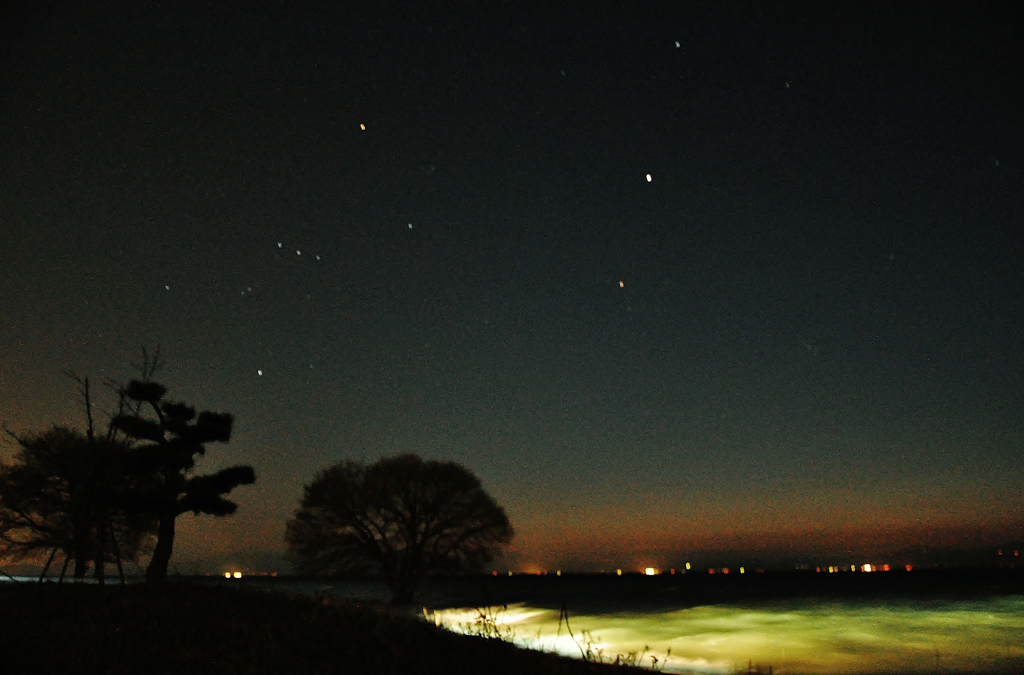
(795, 636)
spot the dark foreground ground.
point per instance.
(188, 628)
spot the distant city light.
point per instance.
(650, 571)
(743, 570)
(687, 565)
(363, 127)
(237, 575)
(649, 179)
(227, 575)
(618, 572)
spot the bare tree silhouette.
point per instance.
(402, 517)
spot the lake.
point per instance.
(795, 636)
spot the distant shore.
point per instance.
(589, 593)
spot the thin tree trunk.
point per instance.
(117, 553)
(98, 552)
(157, 569)
(49, 561)
(98, 570)
(81, 542)
(64, 567)
(81, 565)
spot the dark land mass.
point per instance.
(595, 594)
(191, 628)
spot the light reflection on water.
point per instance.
(793, 637)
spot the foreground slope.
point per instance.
(184, 628)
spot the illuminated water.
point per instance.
(799, 636)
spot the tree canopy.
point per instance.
(66, 491)
(87, 493)
(165, 449)
(402, 517)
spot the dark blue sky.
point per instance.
(803, 333)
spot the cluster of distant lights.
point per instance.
(655, 571)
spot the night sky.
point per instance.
(671, 278)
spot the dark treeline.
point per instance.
(113, 492)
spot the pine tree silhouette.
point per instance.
(166, 450)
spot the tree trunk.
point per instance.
(117, 552)
(99, 553)
(48, 563)
(81, 543)
(157, 569)
(64, 569)
(81, 564)
(98, 570)
(403, 590)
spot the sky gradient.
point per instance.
(375, 228)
